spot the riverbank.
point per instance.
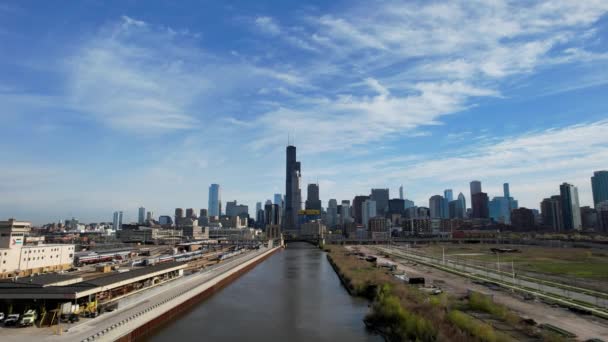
(401, 312)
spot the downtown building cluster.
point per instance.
(376, 214)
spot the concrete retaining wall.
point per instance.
(200, 293)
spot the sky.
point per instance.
(112, 105)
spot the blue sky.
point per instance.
(112, 105)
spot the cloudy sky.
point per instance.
(111, 105)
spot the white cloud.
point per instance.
(267, 25)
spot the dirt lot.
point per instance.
(585, 327)
(575, 266)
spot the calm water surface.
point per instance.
(294, 295)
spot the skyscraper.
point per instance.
(258, 206)
(368, 211)
(345, 215)
(332, 213)
(278, 199)
(115, 221)
(380, 196)
(357, 208)
(599, 186)
(475, 187)
(462, 206)
(179, 215)
(190, 213)
(202, 213)
(293, 202)
(230, 205)
(312, 198)
(479, 204)
(215, 200)
(401, 192)
(448, 196)
(571, 210)
(436, 206)
(141, 218)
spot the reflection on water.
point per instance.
(294, 295)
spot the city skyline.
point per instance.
(395, 102)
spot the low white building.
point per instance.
(19, 259)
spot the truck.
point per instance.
(28, 319)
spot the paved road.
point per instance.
(139, 308)
(574, 295)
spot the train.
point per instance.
(187, 256)
(90, 258)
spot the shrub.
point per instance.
(468, 324)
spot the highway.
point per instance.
(141, 308)
(582, 296)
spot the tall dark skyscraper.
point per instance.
(312, 198)
(571, 211)
(292, 189)
(358, 208)
(380, 196)
(479, 204)
(599, 186)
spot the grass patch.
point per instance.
(476, 328)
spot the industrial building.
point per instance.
(18, 259)
(54, 290)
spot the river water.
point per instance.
(294, 295)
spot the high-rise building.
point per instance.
(258, 206)
(588, 217)
(380, 196)
(165, 220)
(357, 208)
(505, 189)
(141, 217)
(368, 211)
(272, 214)
(458, 207)
(278, 199)
(230, 205)
(191, 213)
(119, 220)
(436, 205)
(401, 192)
(293, 202)
(599, 186)
(202, 213)
(179, 215)
(396, 206)
(408, 204)
(345, 214)
(312, 199)
(571, 210)
(462, 206)
(115, 221)
(523, 219)
(475, 187)
(149, 216)
(215, 200)
(448, 196)
(479, 204)
(602, 216)
(500, 209)
(551, 213)
(332, 213)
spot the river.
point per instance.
(294, 295)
